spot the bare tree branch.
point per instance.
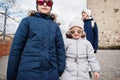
(11, 1)
(9, 17)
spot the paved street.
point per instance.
(110, 64)
(3, 66)
(109, 61)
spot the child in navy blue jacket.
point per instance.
(91, 28)
(37, 51)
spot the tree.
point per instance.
(6, 7)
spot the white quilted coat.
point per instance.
(79, 54)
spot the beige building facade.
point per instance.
(107, 15)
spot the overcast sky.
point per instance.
(65, 9)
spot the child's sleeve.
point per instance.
(93, 62)
(66, 44)
(60, 50)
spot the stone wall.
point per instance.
(107, 15)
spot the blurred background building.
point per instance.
(107, 15)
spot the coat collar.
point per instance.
(40, 15)
(88, 19)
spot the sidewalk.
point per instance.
(3, 66)
(110, 64)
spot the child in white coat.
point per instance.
(79, 53)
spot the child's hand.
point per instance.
(96, 75)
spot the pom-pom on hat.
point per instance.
(76, 22)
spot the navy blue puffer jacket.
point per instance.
(37, 51)
(92, 32)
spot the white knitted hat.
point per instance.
(88, 12)
(76, 22)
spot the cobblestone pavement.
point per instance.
(109, 61)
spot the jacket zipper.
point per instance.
(77, 59)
